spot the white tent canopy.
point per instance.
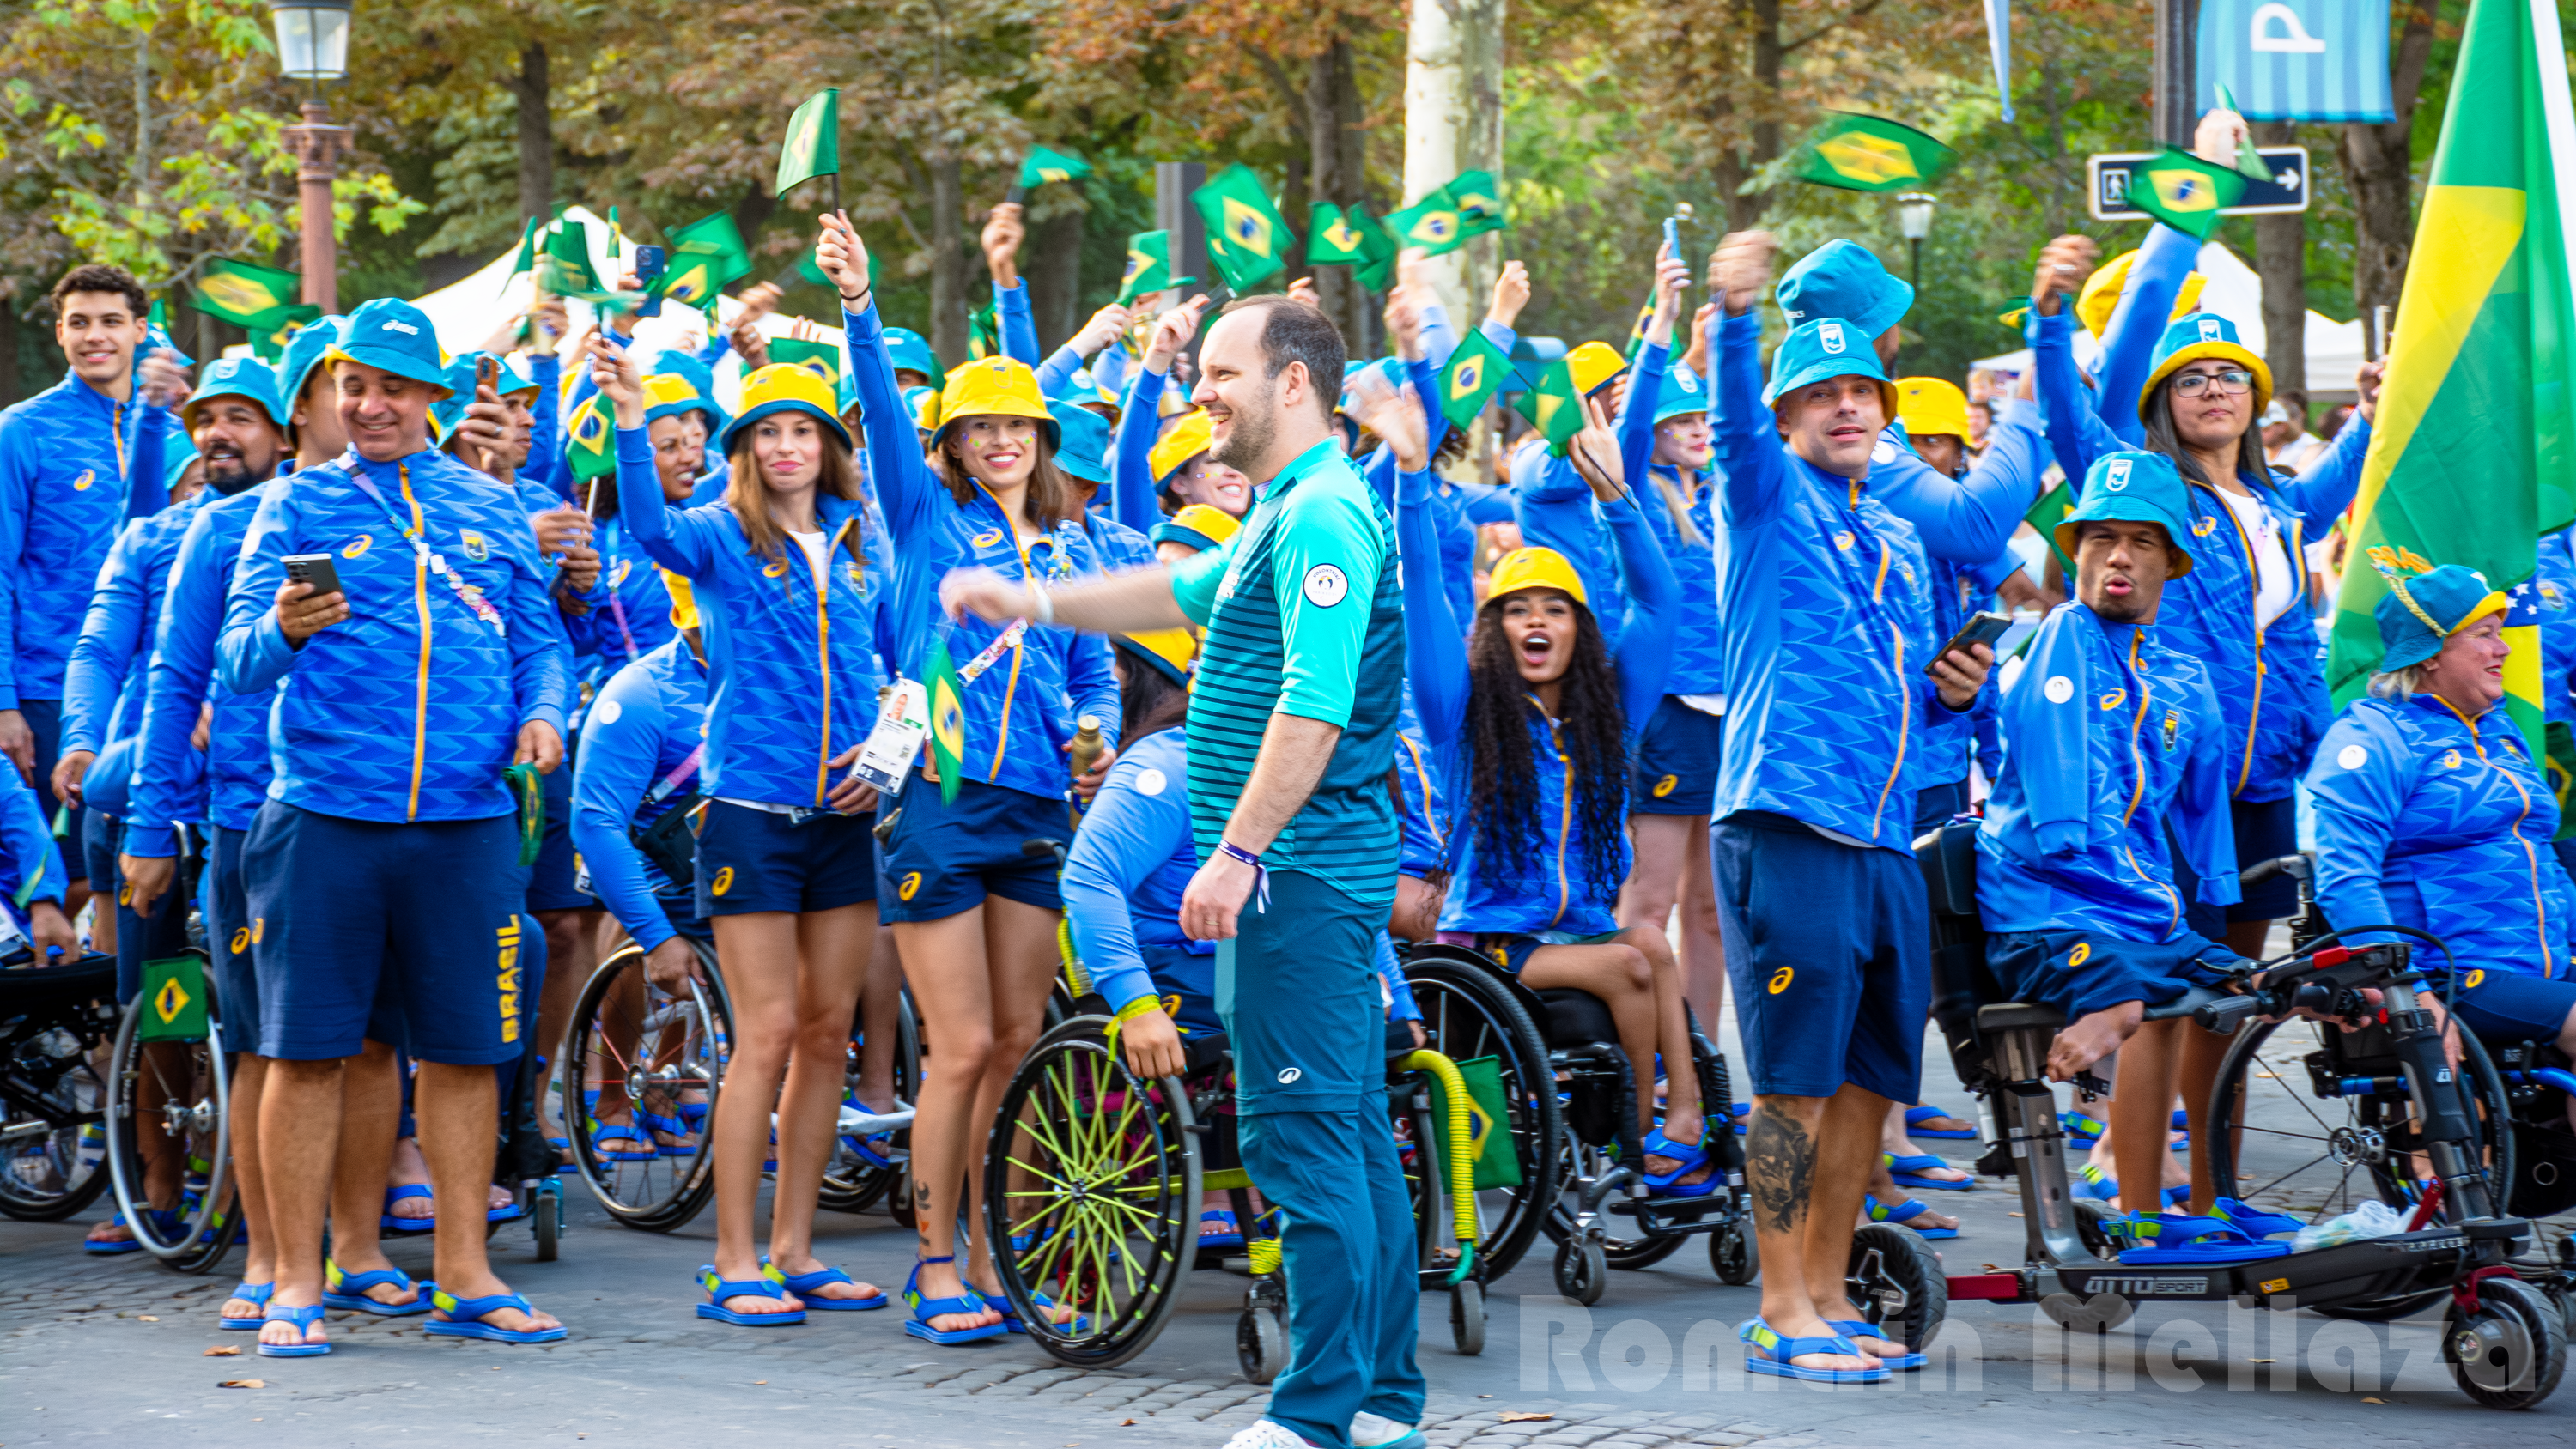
(2235, 292)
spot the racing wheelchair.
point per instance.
(2504, 1336)
(54, 1023)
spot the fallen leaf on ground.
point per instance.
(1125, 1423)
(224, 1350)
(2258, 1360)
(1516, 1416)
(149, 1318)
(2012, 1215)
(2274, 1077)
(243, 1384)
(2374, 1401)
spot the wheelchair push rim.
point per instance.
(173, 1097)
(633, 1043)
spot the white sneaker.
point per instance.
(1266, 1435)
(1376, 1431)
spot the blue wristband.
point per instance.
(1260, 877)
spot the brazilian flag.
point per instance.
(247, 295)
(1853, 152)
(565, 267)
(1043, 165)
(1434, 224)
(2184, 192)
(1247, 238)
(813, 145)
(707, 256)
(947, 721)
(1492, 1159)
(1554, 407)
(983, 333)
(592, 448)
(1479, 202)
(174, 1000)
(1353, 238)
(2046, 514)
(1476, 371)
(269, 344)
(1149, 267)
(822, 359)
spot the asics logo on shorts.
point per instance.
(1781, 978)
(508, 978)
(2471, 980)
(911, 883)
(241, 940)
(1664, 786)
(2082, 953)
(722, 883)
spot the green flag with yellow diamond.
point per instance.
(983, 333)
(707, 255)
(1247, 238)
(1149, 266)
(1554, 407)
(1433, 224)
(1350, 238)
(823, 359)
(2184, 192)
(174, 1001)
(1476, 371)
(947, 721)
(565, 266)
(1854, 152)
(1479, 202)
(269, 344)
(246, 295)
(592, 449)
(1043, 165)
(2474, 438)
(813, 145)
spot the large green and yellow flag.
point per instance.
(823, 359)
(245, 294)
(2475, 436)
(707, 255)
(1248, 240)
(1476, 371)
(2184, 192)
(1853, 152)
(813, 144)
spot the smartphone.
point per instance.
(1673, 237)
(1982, 628)
(650, 264)
(315, 569)
(487, 373)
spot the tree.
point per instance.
(2379, 161)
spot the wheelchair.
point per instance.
(862, 1174)
(172, 1094)
(663, 1057)
(54, 1022)
(2504, 1333)
(1571, 1101)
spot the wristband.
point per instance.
(1232, 851)
(1139, 1006)
(1042, 604)
(1260, 877)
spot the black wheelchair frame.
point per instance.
(54, 1021)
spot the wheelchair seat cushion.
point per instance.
(1576, 1018)
(2077, 973)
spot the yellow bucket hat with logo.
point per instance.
(1535, 568)
(993, 386)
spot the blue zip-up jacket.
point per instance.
(1020, 713)
(793, 671)
(66, 457)
(103, 683)
(2431, 820)
(410, 708)
(648, 719)
(175, 784)
(1130, 862)
(1115, 547)
(31, 855)
(1699, 631)
(1557, 509)
(1829, 626)
(1132, 497)
(630, 610)
(2115, 737)
(2552, 591)
(2267, 674)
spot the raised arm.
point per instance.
(2147, 298)
(1750, 459)
(2325, 488)
(1056, 373)
(1435, 655)
(670, 537)
(1967, 519)
(1132, 479)
(911, 499)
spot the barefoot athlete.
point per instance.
(1291, 733)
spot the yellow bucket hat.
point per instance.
(1188, 438)
(1930, 407)
(1535, 568)
(993, 386)
(1593, 364)
(783, 387)
(1169, 650)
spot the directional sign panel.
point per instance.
(2109, 173)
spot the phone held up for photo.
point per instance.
(315, 569)
(487, 373)
(650, 264)
(1982, 628)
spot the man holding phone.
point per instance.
(385, 854)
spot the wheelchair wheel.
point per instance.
(632, 1043)
(852, 1182)
(53, 1103)
(1467, 1317)
(169, 1128)
(1260, 1342)
(1582, 1272)
(2511, 1353)
(1467, 1014)
(1091, 1196)
(1731, 1255)
(1897, 1281)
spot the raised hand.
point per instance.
(613, 370)
(1172, 332)
(1595, 451)
(1671, 275)
(1739, 271)
(1394, 416)
(1003, 233)
(1511, 294)
(2063, 266)
(1303, 290)
(842, 257)
(1105, 327)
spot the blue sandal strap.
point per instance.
(303, 1318)
(474, 1310)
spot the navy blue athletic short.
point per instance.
(1512, 952)
(95, 841)
(426, 913)
(139, 939)
(2082, 972)
(2512, 1006)
(45, 722)
(550, 880)
(1828, 948)
(1186, 981)
(946, 858)
(1676, 771)
(759, 860)
(228, 940)
(1935, 804)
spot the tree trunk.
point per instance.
(1053, 265)
(535, 93)
(9, 392)
(947, 262)
(1339, 175)
(2281, 260)
(1767, 57)
(2379, 166)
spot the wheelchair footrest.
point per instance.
(1676, 1214)
(2347, 1272)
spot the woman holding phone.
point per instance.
(788, 578)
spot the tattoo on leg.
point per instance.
(1780, 1162)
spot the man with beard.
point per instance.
(1291, 732)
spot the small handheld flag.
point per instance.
(1554, 407)
(592, 446)
(174, 1001)
(565, 267)
(813, 145)
(1434, 224)
(822, 359)
(947, 721)
(1247, 238)
(707, 255)
(2184, 192)
(246, 295)
(1479, 202)
(1043, 165)
(1352, 238)
(1149, 267)
(983, 333)
(2249, 162)
(1476, 371)
(268, 344)
(526, 261)
(1854, 152)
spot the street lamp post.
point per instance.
(1914, 218)
(313, 47)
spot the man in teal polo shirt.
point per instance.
(1292, 732)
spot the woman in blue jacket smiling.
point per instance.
(786, 575)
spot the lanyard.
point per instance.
(435, 563)
(669, 784)
(1002, 644)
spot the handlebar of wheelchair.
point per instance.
(2296, 867)
(2331, 982)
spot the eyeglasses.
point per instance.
(2231, 382)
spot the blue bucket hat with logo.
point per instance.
(2139, 488)
(395, 336)
(2418, 613)
(909, 351)
(1843, 279)
(1829, 348)
(243, 377)
(303, 354)
(1082, 447)
(2200, 335)
(1684, 394)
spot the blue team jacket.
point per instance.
(794, 673)
(173, 783)
(643, 727)
(1829, 626)
(2430, 820)
(33, 864)
(1130, 862)
(66, 456)
(411, 708)
(2114, 736)
(103, 683)
(1020, 712)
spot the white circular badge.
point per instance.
(606, 711)
(2059, 689)
(1325, 586)
(1150, 781)
(1288, 1077)
(2352, 757)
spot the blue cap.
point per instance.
(2417, 614)
(2141, 488)
(1843, 279)
(236, 377)
(1082, 449)
(2199, 335)
(910, 352)
(1683, 394)
(701, 384)
(393, 335)
(180, 458)
(1832, 347)
(304, 353)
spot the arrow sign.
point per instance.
(2108, 173)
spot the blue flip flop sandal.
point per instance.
(2080, 1130)
(601, 1136)
(1690, 1155)
(2253, 1222)
(303, 1319)
(165, 1221)
(720, 1289)
(1908, 1171)
(2092, 1182)
(465, 1319)
(655, 1122)
(1013, 1323)
(258, 1293)
(1855, 1329)
(347, 1292)
(926, 1309)
(391, 1224)
(809, 1286)
(1928, 1113)
(2165, 1240)
(1232, 1237)
(1903, 1215)
(1766, 1352)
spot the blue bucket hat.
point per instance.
(304, 353)
(180, 458)
(246, 377)
(2140, 488)
(701, 384)
(394, 335)
(910, 352)
(1082, 447)
(1683, 394)
(156, 337)
(1830, 347)
(2417, 614)
(2204, 334)
(1843, 279)
(460, 388)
